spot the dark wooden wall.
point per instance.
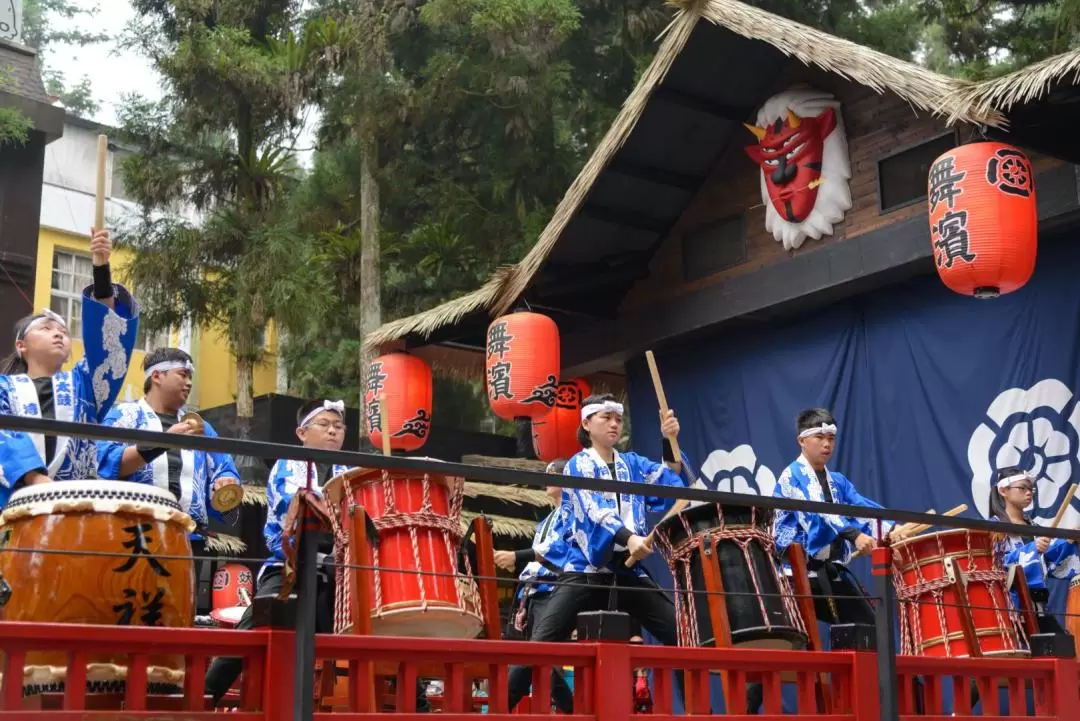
(20, 210)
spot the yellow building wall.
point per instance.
(215, 368)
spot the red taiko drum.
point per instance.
(943, 580)
(417, 588)
(234, 587)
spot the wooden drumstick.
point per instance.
(661, 399)
(99, 199)
(1064, 506)
(917, 529)
(385, 422)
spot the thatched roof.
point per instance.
(1022, 86)
(923, 89)
(503, 525)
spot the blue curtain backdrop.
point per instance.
(931, 390)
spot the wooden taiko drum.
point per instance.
(760, 605)
(947, 580)
(234, 589)
(133, 586)
(1072, 611)
(417, 587)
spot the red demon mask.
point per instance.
(789, 152)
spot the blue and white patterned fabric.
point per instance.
(817, 532)
(595, 517)
(549, 542)
(1061, 559)
(84, 395)
(286, 478)
(199, 469)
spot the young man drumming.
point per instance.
(605, 530)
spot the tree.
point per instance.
(237, 77)
(40, 31)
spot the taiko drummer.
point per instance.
(33, 383)
(191, 476)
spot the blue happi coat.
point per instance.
(83, 394)
(286, 478)
(816, 532)
(550, 543)
(198, 473)
(1061, 559)
(595, 518)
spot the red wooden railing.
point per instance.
(602, 677)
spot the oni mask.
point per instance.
(790, 152)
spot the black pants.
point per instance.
(850, 603)
(560, 690)
(223, 672)
(579, 592)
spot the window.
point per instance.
(902, 175)
(71, 273)
(714, 247)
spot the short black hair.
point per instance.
(582, 434)
(308, 407)
(162, 355)
(997, 502)
(814, 418)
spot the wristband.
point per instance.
(669, 452)
(103, 287)
(149, 454)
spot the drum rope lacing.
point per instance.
(679, 560)
(909, 598)
(449, 526)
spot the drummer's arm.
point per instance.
(223, 470)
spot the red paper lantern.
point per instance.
(522, 365)
(983, 220)
(555, 435)
(403, 383)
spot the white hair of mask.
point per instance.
(834, 193)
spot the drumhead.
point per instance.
(946, 534)
(230, 615)
(95, 497)
(706, 517)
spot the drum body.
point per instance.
(1072, 610)
(134, 586)
(761, 608)
(417, 589)
(927, 574)
(234, 589)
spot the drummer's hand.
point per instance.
(864, 544)
(183, 428)
(33, 478)
(222, 482)
(639, 547)
(897, 534)
(669, 424)
(100, 246)
(1041, 544)
(505, 560)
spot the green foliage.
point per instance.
(77, 99)
(40, 31)
(14, 127)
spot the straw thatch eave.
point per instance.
(923, 89)
(1022, 86)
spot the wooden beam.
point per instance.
(734, 113)
(657, 176)
(627, 218)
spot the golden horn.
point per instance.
(758, 132)
(793, 119)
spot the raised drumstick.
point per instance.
(385, 422)
(915, 530)
(1064, 506)
(661, 399)
(99, 198)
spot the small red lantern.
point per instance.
(983, 220)
(555, 435)
(403, 383)
(522, 365)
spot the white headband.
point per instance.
(170, 365)
(823, 429)
(43, 317)
(1009, 480)
(604, 407)
(336, 406)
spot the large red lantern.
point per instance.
(555, 435)
(522, 365)
(403, 383)
(983, 220)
